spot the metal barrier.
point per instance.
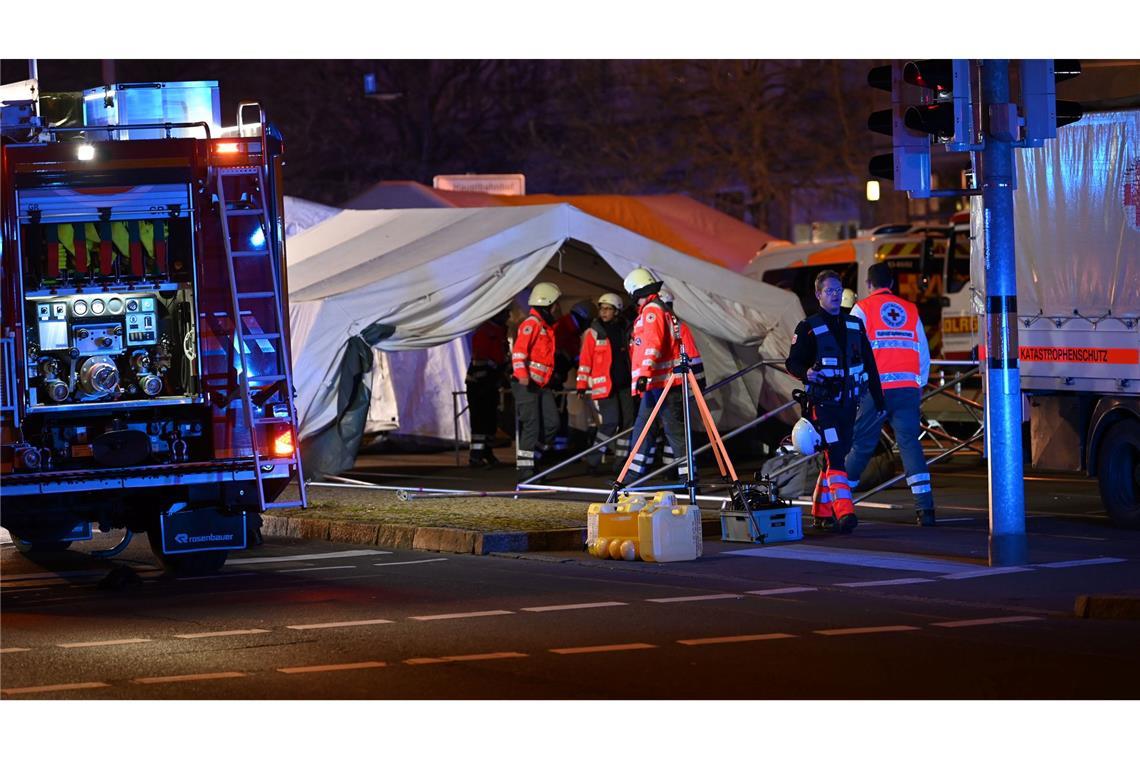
(715, 386)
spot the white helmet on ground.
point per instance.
(544, 294)
(638, 279)
(610, 299)
(805, 438)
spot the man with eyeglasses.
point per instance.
(831, 354)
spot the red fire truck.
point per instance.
(145, 381)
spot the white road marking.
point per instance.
(465, 658)
(955, 519)
(891, 582)
(586, 606)
(457, 615)
(218, 577)
(212, 634)
(44, 583)
(781, 591)
(986, 621)
(603, 648)
(303, 557)
(704, 598)
(12, 650)
(410, 562)
(114, 642)
(326, 668)
(341, 624)
(859, 557)
(311, 569)
(190, 677)
(55, 687)
(1083, 562)
(984, 571)
(735, 639)
(858, 631)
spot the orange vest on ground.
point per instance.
(533, 352)
(594, 363)
(892, 328)
(655, 351)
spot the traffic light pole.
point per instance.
(1003, 392)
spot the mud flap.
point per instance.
(203, 529)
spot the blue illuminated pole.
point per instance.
(1003, 392)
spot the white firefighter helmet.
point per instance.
(544, 294)
(610, 299)
(848, 298)
(638, 279)
(805, 438)
(665, 295)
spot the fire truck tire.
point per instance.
(1119, 473)
(39, 547)
(194, 563)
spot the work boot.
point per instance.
(524, 473)
(848, 522)
(925, 518)
(823, 523)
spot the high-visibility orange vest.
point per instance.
(533, 352)
(892, 328)
(655, 351)
(696, 364)
(595, 361)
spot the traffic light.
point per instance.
(946, 113)
(908, 164)
(1041, 110)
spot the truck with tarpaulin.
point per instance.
(145, 381)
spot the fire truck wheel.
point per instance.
(39, 547)
(194, 563)
(1119, 473)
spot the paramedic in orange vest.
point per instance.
(831, 354)
(696, 366)
(903, 358)
(532, 365)
(485, 375)
(603, 371)
(653, 354)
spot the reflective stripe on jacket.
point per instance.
(897, 339)
(533, 352)
(655, 351)
(840, 367)
(594, 363)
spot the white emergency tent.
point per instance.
(415, 278)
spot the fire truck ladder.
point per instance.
(227, 179)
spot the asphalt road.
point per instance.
(893, 611)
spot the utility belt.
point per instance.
(835, 389)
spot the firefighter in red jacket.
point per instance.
(485, 374)
(653, 354)
(603, 371)
(532, 366)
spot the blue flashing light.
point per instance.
(257, 239)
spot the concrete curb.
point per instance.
(432, 539)
(435, 539)
(1107, 606)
